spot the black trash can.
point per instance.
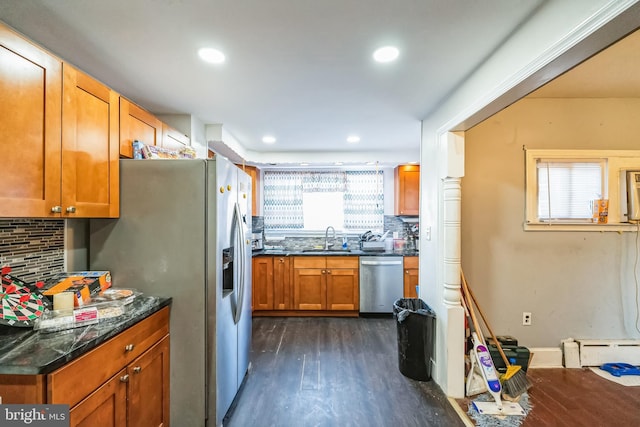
(416, 323)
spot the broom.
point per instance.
(514, 380)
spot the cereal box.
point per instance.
(83, 284)
(600, 211)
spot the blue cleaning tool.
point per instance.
(620, 369)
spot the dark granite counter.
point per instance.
(25, 351)
(336, 252)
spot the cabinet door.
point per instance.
(411, 276)
(105, 407)
(262, 292)
(137, 124)
(90, 147)
(343, 289)
(30, 109)
(148, 393)
(281, 283)
(172, 139)
(309, 289)
(407, 190)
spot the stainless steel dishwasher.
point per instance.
(381, 283)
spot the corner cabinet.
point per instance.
(122, 382)
(407, 190)
(411, 276)
(58, 125)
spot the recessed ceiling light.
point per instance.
(353, 139)
(210, 55)
(268, 139)
(338, 163)
(370, 163)
(304, 164)
(386, 54)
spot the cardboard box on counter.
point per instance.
(83, 284)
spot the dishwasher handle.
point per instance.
(365, 262)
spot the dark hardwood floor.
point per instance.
(333, 372)
(577, 397)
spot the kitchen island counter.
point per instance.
(24, 351)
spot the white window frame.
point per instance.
(616, 161)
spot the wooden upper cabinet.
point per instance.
(90, 147)
(172, 139)
(407, 190)
(254, 173)
(30, 128)
(137, 124)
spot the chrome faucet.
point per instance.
(326, 237)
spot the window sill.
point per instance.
(618, 227)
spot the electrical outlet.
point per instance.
(526, 318)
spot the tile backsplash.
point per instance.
(391, 223)
(33, 248)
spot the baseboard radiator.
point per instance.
(599, 352)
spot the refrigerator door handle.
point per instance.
(240, 251)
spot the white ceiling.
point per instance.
(299, 70)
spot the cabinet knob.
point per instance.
(71, 209)
(56, 209)
(406, 272)
(128, 347)
(124, 378)
(137, 369)
(328, 271)
(281, 260)
(324, 271)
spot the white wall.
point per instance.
(575, 284)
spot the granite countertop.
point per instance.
(28, 352)
(335, 252)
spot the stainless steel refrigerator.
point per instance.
(185, 231)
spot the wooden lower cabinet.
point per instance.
(262, 283)
(124, 382)
(305, 285)
(281, 283)
(137, 396)
(411, 276)
(107, 406)
(326, 283)
(271, 283)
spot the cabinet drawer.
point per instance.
(411, 262)
(309, 262)
(74, 381)
(343, 262)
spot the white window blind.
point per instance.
(566, 188)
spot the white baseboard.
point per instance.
(545, 357)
